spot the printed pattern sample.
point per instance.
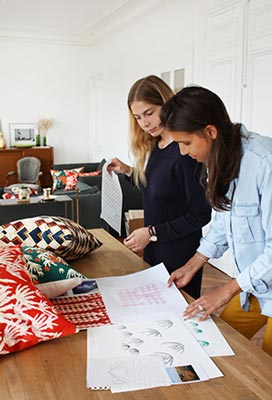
(84, 311)
(141, 295)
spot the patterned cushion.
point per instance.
(71, 177)
(45, 266)
(64, 237)
(59, 177)
(27, 316)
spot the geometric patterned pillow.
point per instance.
(45, 266)
(64, 237)
(59, 177)
(27, 316)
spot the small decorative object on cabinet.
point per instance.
(38, 140)
(2, 141)
(44, 125)
(23, 135)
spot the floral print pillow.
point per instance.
(27, 317)
(45, 266)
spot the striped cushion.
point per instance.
(64, 237)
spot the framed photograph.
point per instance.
(23, 135)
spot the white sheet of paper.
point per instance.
(209, 337)
(123, 374)
(136, 296)
(141, 295)
(167, 337)
(111, 199)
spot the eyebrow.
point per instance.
(145, 111)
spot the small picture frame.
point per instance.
(23, 135)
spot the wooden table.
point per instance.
(56, 370)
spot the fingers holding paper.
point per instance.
(117, 165)
(137, 240)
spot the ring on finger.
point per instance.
(201, 308)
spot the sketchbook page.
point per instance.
(111, 199)
(166, 337)
(208, 336)
(122, 375)
(136, 296)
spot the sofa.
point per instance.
(87, 196)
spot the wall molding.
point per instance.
(111, 21)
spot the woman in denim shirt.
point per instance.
(239, 188)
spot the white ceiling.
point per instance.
(79, 22)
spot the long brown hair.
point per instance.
(191, 110)
(151, 90)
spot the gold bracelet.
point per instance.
(201, 257)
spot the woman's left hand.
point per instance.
(138, 239)
(212, 300)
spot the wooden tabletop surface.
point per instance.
(56, 370)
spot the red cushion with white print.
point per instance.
(71, 177)
(27, 317)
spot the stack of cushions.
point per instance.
(64, 237)
(27, 316)
(67, 178)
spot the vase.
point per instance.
(44, 141)
(38, 140)
(2, 141)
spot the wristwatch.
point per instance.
(152, 233)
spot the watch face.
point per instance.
(153, 238)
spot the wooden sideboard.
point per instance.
(10, 156)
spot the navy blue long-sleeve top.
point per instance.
(174, 202)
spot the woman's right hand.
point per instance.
(117, 165)
(181, 276)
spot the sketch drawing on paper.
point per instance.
(167, 358)
(177, 347)
(165, 323)
(130, 349)
(152, 332)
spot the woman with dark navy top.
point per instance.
(175, 208)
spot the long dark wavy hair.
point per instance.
(190, 111)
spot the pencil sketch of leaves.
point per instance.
(176, 346)
(134, 351)
(125, 346)
(166, 323)
(127, 334)
(167, 358)
(131, 350)
(136, 341)
(122, 327)
(152, 332)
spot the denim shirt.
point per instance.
(247, 228)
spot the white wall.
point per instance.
(42, 80)
(153, 44)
